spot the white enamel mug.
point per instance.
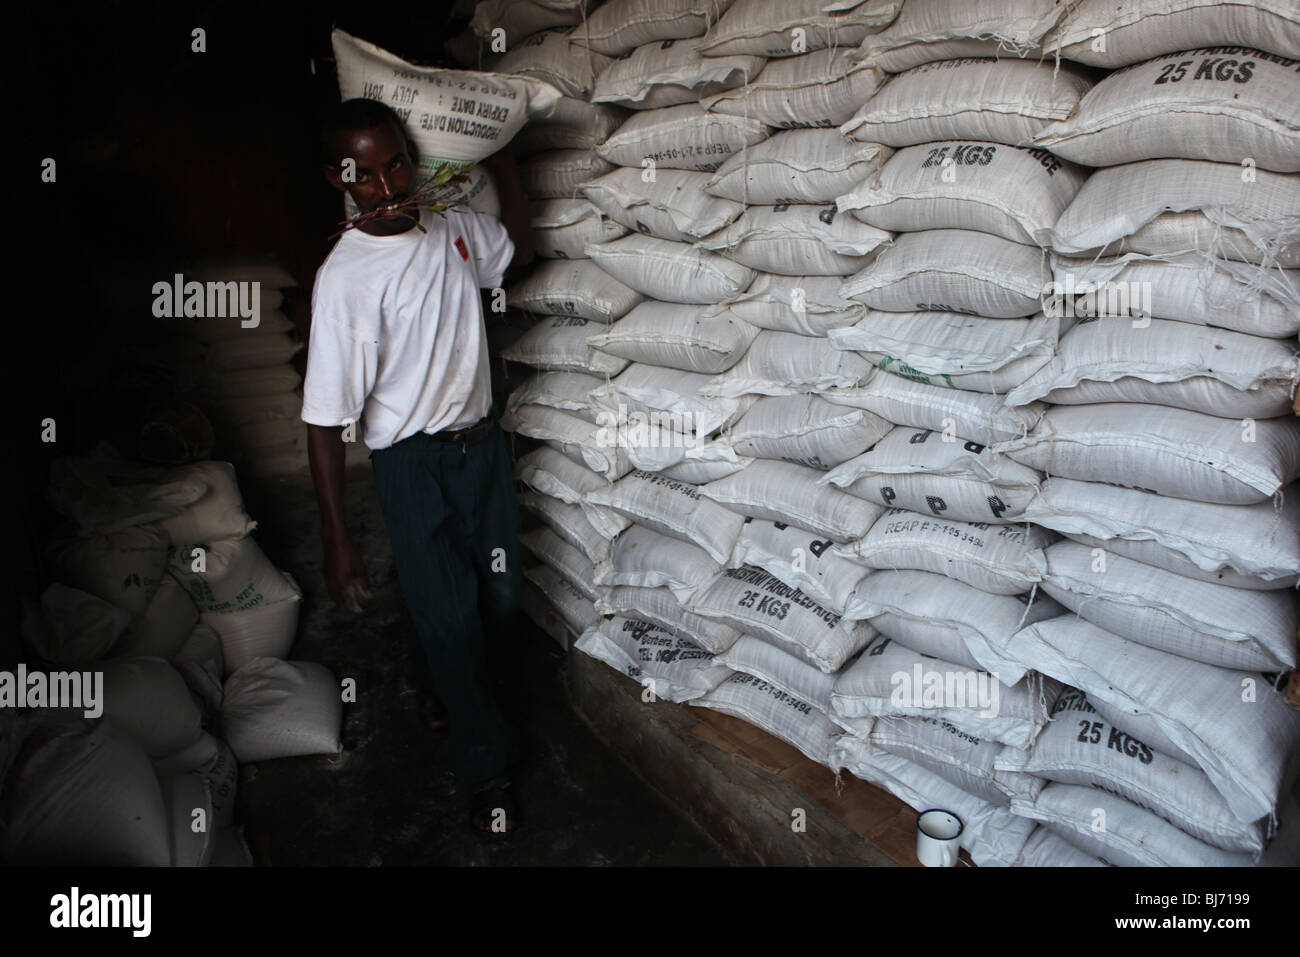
(937, 832)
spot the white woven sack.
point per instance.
(619, 26)
(652, 389)
(673, 508)
(991, 834)
(783, 363)
(796, 722)
(552, 473)
(567, 391)
(1046, 849)
(928, 30)
(521, 19)
(670, 73)
(964, 759)
(549, 549)
(783, 671)
(702, 472)
(188, 802)
(148, 699)
(672, 204)
(659, 606)
(671, 272)
(648, 559)
(676, 336)
(953, 270)
(821, 89)
(1080, 748)
(265, 630)
(280, 709)
(672, 667)
(123, 567)
(203, 666)
(1011, 192)
(1216, 103)
(681, 137)
(798, 241)
(580, 289)
(918, 469)
(1232, 724)
(806, 430)
(947, 619)
(1162, 450)
(559, 343)
(429, 101)
(83, 795)
(781, 28)
(233, 574)
(561, 173)
(220, 776)
(554, 58)
(1228, 374)
(575, 609)
(578, 439)
(570, 523)
(1229, 627)
(785, 492)
(952, 412)
(1130, 836)
(73, 627)
(797, 166)
(573, 125)
(272, 380)
(954, 350)
(166, 624)
(1104, 34)
(1244, 546)
(1186, 288)
(1168, 206)
(800, 559)
(563, 227)
(655, 446)
(980, 99)
(889, 679)
(761, 605)
(804, 305)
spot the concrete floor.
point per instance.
(387, 799)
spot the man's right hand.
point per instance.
(345, 575)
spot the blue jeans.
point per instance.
(452, 516)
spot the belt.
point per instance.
(468, 435)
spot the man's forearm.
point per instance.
(325, 453)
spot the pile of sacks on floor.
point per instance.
(178, 628)
(914, 381)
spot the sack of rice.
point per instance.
(265, 630)
(821, 89)
(782, 28)
(202, 664)
(148, 699)
(782, 363)
(579, 439)
(559, 344)
(281, 709)
(923, 471)
(554, 58)
(551, 473)
(676, 336)
(1164, 450)
(220, 776)
(1101, 33)
(73, 627)
(781, 670)
(1168, 206)
(165, 626)
(796, 722)
(563, 227)
(1229, 627)
(800, 559)
(569, 522)
(620, 26)
(521, 19)
(979, 99)
(1243, 546)
(124, 567)
(673, 205)
(218, 514)
(681, 137)
(671, 272)
(567, 391)
(559, 174)
(670, 397)
(954, 350)
(672, 667)
(1046, 849)
(549, 549)
(806, 430)
(797, 166)
(670, 73)
(642, 558)
(785, 492)
(953, 270)
(229, 575)
(1008, 191)
(947, 619)
(660, 607)
(1200, 368)
(798, 241)
(580, 289)
(573, 126)
(188, 805)
(673, 508)
(561, 596)
(804, 305)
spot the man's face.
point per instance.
(385, 174)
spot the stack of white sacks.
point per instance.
(837, 456)
(160, 589)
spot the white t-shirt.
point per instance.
(397, 334)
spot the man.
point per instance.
(397, 341)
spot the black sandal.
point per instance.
(494, 814)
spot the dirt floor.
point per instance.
(387, 799)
